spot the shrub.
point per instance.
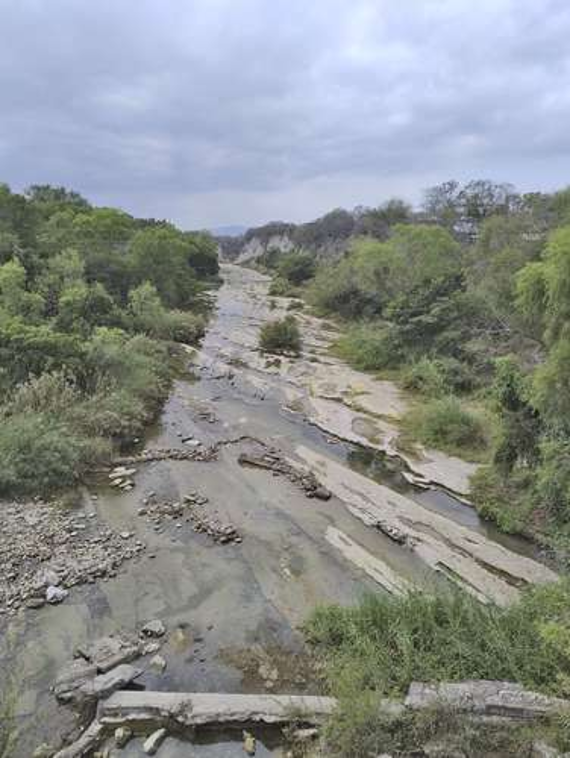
(39, 453)
(280, 287)
(297, 267)
(425, 376)
(506, 500)
(281, 336)
(444, 423)
(370, 347)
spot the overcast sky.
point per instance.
(216, 112)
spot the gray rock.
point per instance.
(157, 663)
(122, 735)
(152, 743)
(55, 595)
(154, 628)
(44, 751)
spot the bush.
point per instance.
(370, 347)
(39, 453)
(444, 423)
(280, 287)
(506, 500)
(426, 377)
(297, 267)
(281, 336)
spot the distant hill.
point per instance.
(327, 237)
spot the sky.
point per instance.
(214, 112)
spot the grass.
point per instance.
(376, 649)
(447, 424)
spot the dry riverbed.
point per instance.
(269, 485)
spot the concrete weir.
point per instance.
(181, 712)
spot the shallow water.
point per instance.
(217, 601)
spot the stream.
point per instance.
(233, 611)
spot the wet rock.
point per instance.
(321, 493)
(122, 735)
(35, 602)
(249, 743)
(55, 595)
(108, 652)
(154, 628)
(152, 743)
(157, 663)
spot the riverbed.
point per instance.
(233, 611)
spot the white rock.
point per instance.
(154, 628)
(152, 743)
(56, 595)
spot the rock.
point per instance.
(305, 735)
(104, 684)
(44, 751)
(157, 663)
(154, 628)
(249, 745)
(108, 652)
(122, 735)
(35, 602)
(321, 493)
(56, 595)
(152, 743)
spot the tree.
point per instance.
(297, 267)
(162, 257)
(15, 300)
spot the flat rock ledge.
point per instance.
(144, 712)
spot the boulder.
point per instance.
(55, 595)
(154, 628)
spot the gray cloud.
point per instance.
(225, 111)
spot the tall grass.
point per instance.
(376, 649)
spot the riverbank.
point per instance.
(233, 609)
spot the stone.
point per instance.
(154, 628)
(104, 684)
(157, 663)
(44, 751)
(249, 744)
(122, 735)
(111, 651)
(152, 743)
(55, 595)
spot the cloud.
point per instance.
(229, 111)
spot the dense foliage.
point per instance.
(467, 302)
(90, 299)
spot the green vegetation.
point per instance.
(376, 649)
(467, 304)
(446, 424)
(91, 300)
(280, 336)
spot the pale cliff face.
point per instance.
(256, 247)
